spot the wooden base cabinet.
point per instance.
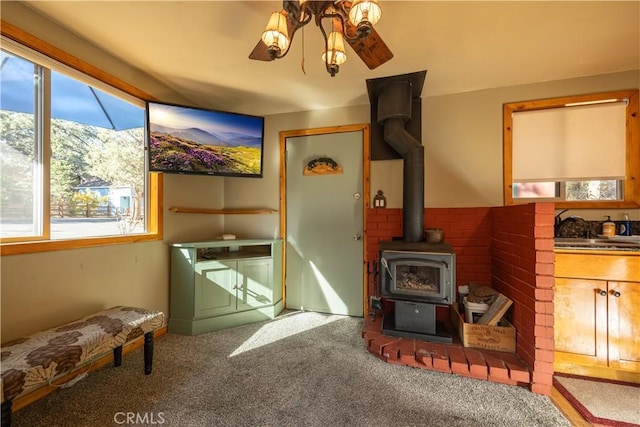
(624, 326)
(596, 318)
(216, 285)
(580, 321)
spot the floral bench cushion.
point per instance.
(33, 361)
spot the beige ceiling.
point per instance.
(201, 48)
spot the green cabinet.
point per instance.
(216, 285)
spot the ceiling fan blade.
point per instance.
(261, 51)
(372, 49)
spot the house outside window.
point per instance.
(72, 162)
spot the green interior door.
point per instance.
(324, 267)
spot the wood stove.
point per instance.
(416, 277)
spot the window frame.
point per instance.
(14, 246)
(631, 182)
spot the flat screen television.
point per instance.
(190, 140)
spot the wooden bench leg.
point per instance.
(6, 413)
(117, 356)
(148, 352)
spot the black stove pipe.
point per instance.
(394, 110)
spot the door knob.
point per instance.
(602, 293)
(357, 237)
(615, 293)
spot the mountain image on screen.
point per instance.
(196, 150)
(223, 139)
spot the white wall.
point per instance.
(265, 192)
(193, 191)
(46, 289)
(462, 136)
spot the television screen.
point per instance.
(198, 141)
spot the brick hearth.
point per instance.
(510, 248)
(496, 366)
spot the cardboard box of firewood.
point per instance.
(501, 337)
(494, 304)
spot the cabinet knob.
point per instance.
(615, 293)
(602, 293)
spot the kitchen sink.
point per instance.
(596, 244)
(579, 240)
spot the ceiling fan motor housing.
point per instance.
(364, 29)
(292, 8)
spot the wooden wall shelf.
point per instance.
(222, 211)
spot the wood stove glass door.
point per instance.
(324, 261)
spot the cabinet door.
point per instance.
(256, 277)
(624, 326)
(215, 292)
(580, 321)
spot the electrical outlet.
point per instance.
(376, 303)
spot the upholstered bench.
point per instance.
(35, 361)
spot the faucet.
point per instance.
(558, 221)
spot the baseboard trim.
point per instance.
(596, 372)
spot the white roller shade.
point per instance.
(570, 143)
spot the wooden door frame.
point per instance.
(366, 162)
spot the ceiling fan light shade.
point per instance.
(334, 53)
(335, 45)
(276, 36)
(365, 11)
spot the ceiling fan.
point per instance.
(338, 21)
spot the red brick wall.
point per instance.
(510, 248)
(467, 230)
(523, 269)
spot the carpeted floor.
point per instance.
(301, 369)
(601, 401)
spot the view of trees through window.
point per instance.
(96, 180)
(593, 190)
(72, 150)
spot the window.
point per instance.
(72, 170)
(580, 152)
